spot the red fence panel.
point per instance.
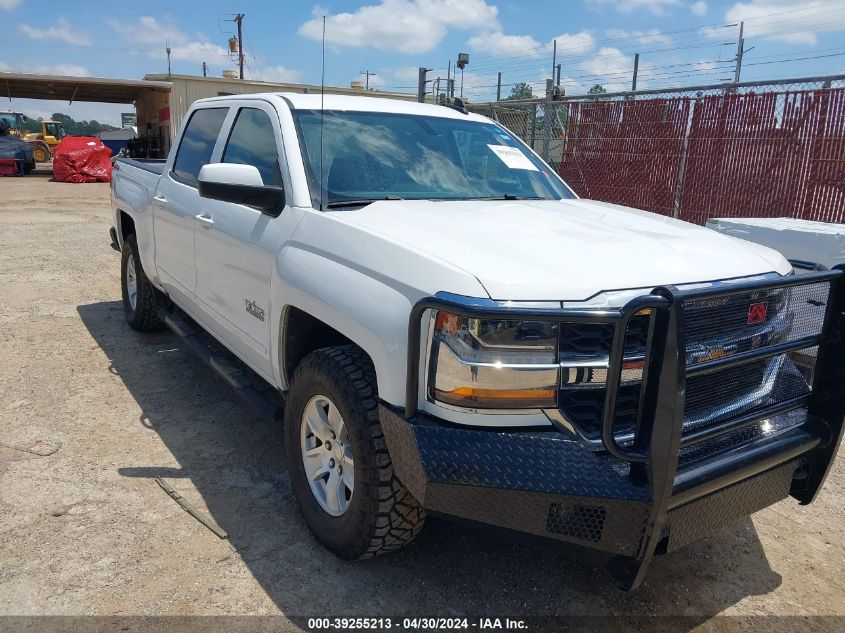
(625, 151)
(755, 154)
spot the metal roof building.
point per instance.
(161, 114)
(161, 100)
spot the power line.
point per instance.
(532, 52)
(646, 34)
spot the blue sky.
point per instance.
(682, 42)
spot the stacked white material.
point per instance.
(818, 242)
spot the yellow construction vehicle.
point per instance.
(50, 135)
(43, 143)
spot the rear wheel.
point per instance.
(141, 300)
(340, 470)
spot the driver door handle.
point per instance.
(205, 220)
(160, 200)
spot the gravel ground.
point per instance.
(91, 412)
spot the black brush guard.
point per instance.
(632, 500)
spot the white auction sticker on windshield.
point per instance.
(512, 157)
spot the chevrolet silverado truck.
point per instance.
(453, 331)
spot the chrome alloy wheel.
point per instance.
(131, 283)
(327, 455)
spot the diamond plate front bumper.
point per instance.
(665, 489)
(546, 484)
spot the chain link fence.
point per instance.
(752, 149)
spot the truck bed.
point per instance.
(153, 165)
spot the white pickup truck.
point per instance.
(452, 330)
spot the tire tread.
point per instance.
(394, 518)
(150, 301)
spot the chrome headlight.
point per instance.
(494, 364)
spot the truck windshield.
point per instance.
(371, 156)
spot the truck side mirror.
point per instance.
(241, 184)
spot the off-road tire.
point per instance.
(144, 317)
(382, 516)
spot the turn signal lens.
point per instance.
(498, 398)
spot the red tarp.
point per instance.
(11, 167)
(82, 159)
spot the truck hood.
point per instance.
(563, 250)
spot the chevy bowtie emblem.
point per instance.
(757, 313)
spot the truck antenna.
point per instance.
(322, 101)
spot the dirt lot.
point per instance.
(91, 412)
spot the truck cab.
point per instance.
(453, 330)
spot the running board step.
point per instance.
(258, 393)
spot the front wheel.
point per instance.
(41, 154)
(340, 470)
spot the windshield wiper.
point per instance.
(508, 196)
(358, 202)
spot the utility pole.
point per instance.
(204, 69)
(499, 88)
(636, 68)
(421, 82)
(367, 74)
(239, 18)
(167, 48)
(740, 46)
(548, 113)
(463, 60)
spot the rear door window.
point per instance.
(198, 143)
(253, 142)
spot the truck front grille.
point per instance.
(715, 330)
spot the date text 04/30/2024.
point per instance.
(424, 623)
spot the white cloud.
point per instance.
(656, 7)
(407, 26)
(497, 43)
(652, 36)
(63, 32)
(151, 32)
(193, 51)
(574, 43)
(609, 67)
(8, 5)
(148, 30)
(46, 69)
(282, 74)
(699, 8)
(804, 21)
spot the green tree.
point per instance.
(520, 90)
(597, 89)
(32, 125)
(80, 128)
